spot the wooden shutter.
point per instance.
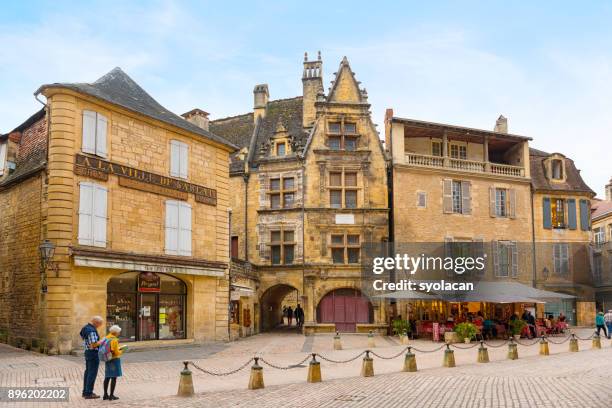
(184, 247)
(3, 149)
(184, 160)
(466, 197)
(175, 158)
(448, 252)
(89, 132)
(514, 259)
(172, 227)
(101, 126)
(492, 209)
(447, 192)
(512, 203)
(99, 215)
(571, 213)
(86, 199)
(585, 215)
(546, 214)
(494, 251)
(479, 253)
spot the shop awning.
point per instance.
(506, 292)
(409, 295)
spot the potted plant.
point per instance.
(401, 327)
(466, 331)
(516, 327)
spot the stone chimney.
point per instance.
(260, 100)
(501, 125)
(198, 117)
(312, 82)
(609, 190)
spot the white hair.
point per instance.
(114, 329)
(97, 319)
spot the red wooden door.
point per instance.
(345, 308)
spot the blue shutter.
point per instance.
(546, 214)
(571, 213)
(585, 214)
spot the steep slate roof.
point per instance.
(239, 129)
(540, 181)
(118, 88)
(601, 208)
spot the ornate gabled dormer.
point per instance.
(281, 143)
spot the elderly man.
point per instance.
(91, 341)
(608, 320)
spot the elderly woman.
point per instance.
(113, 366)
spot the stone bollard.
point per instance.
(410, 365)
(544, 351)
(483, 353)
(337, 342)
(449, 357)
(596, 341)
(573, 344)
(405, 339)
(367, 367)
(371, 342)
(512, 350)
(256, 381)
(314, 370)
(185, 388)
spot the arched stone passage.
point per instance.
(345, 308)
(272, 305)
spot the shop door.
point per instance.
(345, 308)
(148, 316)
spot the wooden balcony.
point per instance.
(423, 160)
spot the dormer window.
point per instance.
(342, 136)
(281, 148)
(556, 169)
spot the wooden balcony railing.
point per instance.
(423, 160)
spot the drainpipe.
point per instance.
(229, 271)
(245, 177)
(533, 242)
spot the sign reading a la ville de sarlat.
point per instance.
(143, 180)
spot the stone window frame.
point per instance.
(459, 146)
(279, 143)
(556, 158)
(343, 134)
(345, 246)
(281, 192)
(282, 244)
(343, 188)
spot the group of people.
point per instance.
(604, 322)
(289, 314)
(111, 355)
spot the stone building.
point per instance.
(129, 203)
(470, 191)
(601, 219)
(309, 188)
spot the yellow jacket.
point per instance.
(114, 345)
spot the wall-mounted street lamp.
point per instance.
(47, 249)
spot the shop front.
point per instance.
(147, 306)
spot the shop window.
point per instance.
(147, 306)
(178, 228)
(343, 189)
(235, 312)
(282, 247)
(92, 214)
(282, 192)
(94, 133)
(345, 248)
(179, 159)
(561, 258)
(342, 136)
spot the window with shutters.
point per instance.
(503, 202)
(343, 189)
(94, 133)
(282, 247)
(345, 248)
(282, 192)
(3, 153)
(557, 208)
(597, 268)
(458, 151)
(421, 199)
(505, 259)
(179, 159)
(92, 214)
(561, 258)
(599, 235)
(178, 228)
(457, 197)
(342, 135)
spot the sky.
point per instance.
(546, 65)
